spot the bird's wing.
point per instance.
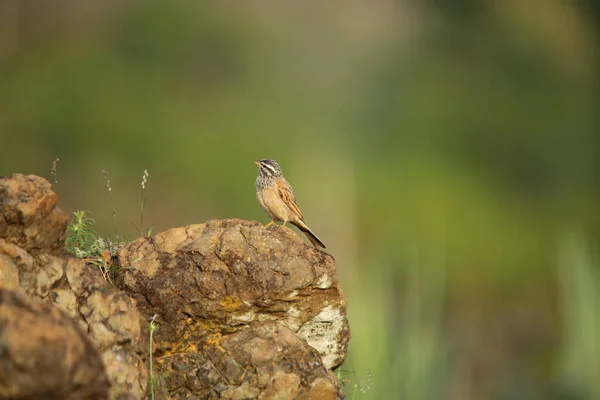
(287, 195)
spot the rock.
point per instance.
(244, 311)
(9, 274)
(108, 316)
(112, 322)
(29, 217)
(44, 355)
(267, 362)
(32, 259)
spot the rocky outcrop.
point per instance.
(243, 311)
(264, 309)
(29, 217)
(44, 355)
(32, 260)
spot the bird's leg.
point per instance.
(269, 224)
(284, 222)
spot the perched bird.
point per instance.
(276, 197)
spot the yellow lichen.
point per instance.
(231, 304)
(188, 343)
(215, 340)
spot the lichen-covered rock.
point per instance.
(44, 355)
(266, 362)
(244, 311)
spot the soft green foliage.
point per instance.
(85, 243)
(81, 238)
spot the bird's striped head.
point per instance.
(268, 168)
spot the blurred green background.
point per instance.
(446, 152)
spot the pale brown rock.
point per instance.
(112, 323)
(244, 312)
(32, 259)
(44, 355)
(264, 309)
(9, 274)
(29, 217)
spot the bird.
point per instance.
(277, 198)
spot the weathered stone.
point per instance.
(29, 217)
(44, 355)
(112, 322)
(243, 311)
(31, 258)
(9, 273)
(127, 372)
(233, 281)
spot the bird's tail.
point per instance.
(311, 236)
(313, 239)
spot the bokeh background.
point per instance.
(446, 152)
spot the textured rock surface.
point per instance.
(32, 260)
(263, 308)
(29, 217)
(244, 312)
(44, 355)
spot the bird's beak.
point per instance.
(257, 163)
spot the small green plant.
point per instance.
(85, 243)
(151, 380)
(81, 235)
